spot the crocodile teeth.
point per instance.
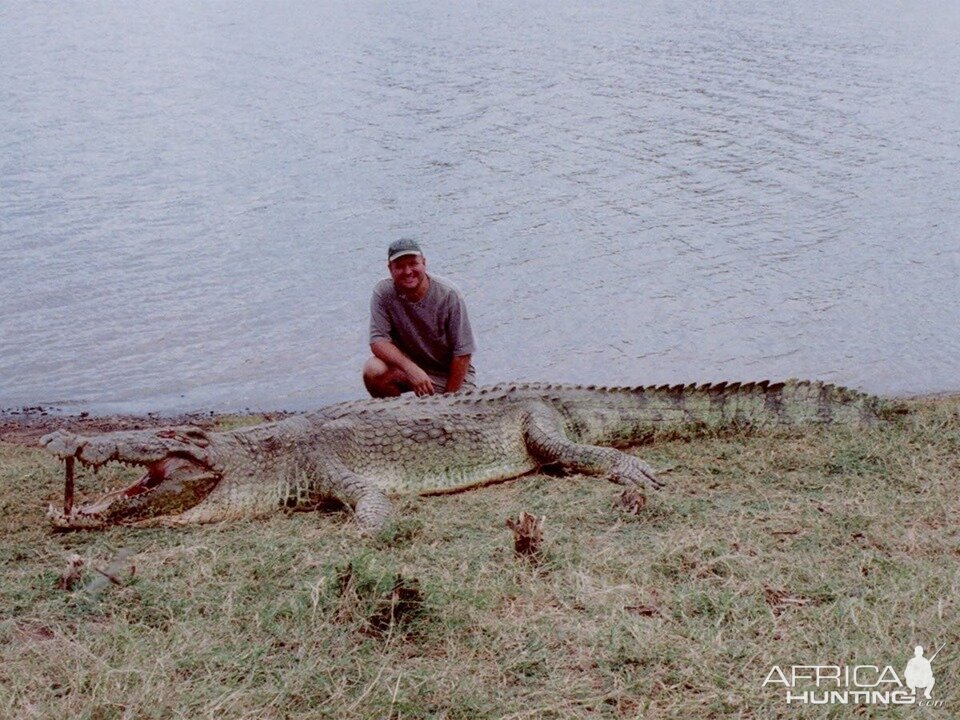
(68, 486)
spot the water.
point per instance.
(196, 198)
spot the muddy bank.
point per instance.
(24, 426)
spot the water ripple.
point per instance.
(195, 198)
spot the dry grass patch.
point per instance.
(827, 546)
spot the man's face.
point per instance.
(408, 272)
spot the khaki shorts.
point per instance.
(440, 384)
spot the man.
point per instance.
(420, 334)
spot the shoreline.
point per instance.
(26, 425)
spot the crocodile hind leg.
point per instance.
(547, 441)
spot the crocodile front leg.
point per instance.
(547, 441)
(370, 504)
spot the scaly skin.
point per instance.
(360, 451)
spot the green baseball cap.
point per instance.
(401, 247)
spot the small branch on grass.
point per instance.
(644, 610)
(780, 600)
(111, 574)
(527, 536)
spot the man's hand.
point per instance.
(419, 381)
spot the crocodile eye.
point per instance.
(186, 435)
(195, 436)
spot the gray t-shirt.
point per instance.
(431, 332)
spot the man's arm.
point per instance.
(462, 342)
(392, 355)
(458, 371)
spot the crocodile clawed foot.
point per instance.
(633, 472)
(654, 481)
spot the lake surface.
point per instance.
(196, 198)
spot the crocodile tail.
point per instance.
(630, 414)
(765, 403)
(791, 402)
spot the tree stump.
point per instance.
(632, 500)
(527, 536)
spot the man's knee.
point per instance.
(381, 379)
(374, 368)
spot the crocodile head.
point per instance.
(180, 470)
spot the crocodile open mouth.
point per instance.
(168, 486)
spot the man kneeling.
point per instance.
(420, 334)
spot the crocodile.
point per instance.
(362, 451)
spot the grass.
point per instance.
(828, 546)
